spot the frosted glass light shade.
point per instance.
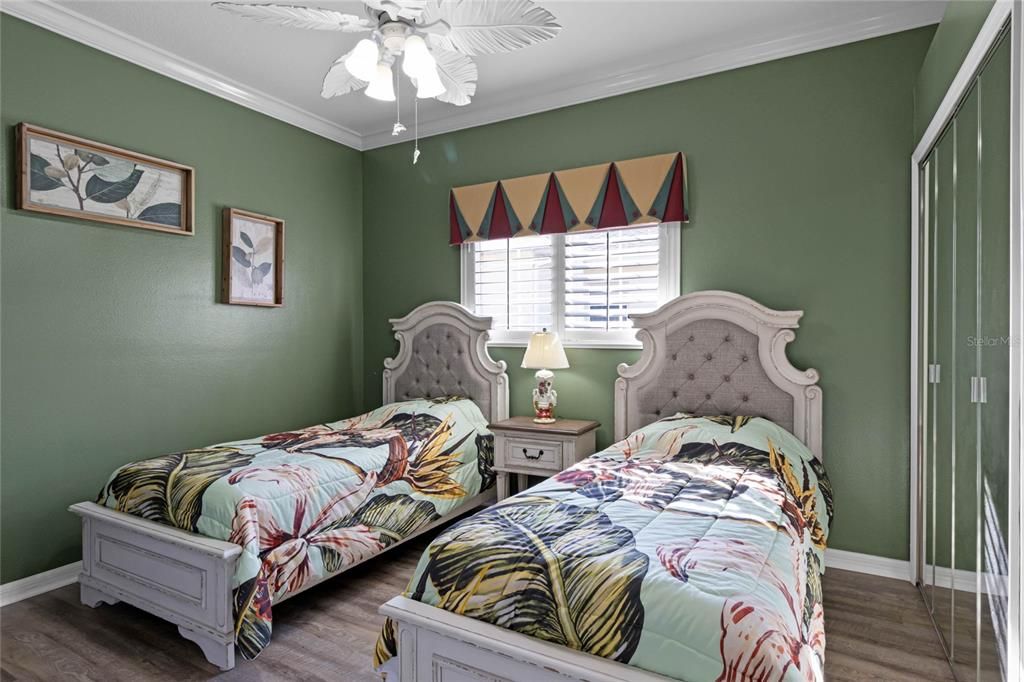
(417, 59)
(545, 352)
(429, 84)
(362, 63)
(382, 86)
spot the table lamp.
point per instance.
(544, 353)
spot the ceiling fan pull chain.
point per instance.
(416, 131)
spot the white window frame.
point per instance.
(669, 285)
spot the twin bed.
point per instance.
(689, 549)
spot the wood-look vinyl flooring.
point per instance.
(876, 629)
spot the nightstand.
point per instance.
(525, 448)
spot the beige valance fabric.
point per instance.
(651, 189)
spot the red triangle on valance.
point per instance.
(501, 228)
(602, 196)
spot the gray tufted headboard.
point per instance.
(442, 351)
(718, 353)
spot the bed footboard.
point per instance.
(181, 577)
(435, 645)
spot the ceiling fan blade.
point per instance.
(338, 80)
(300, 17)
(458, 74)
(398, 9)
(487, 26)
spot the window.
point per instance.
(583, 285)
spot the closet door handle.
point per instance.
(979, 390)
(982, 390)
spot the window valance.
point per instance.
(651, 189)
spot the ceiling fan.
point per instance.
(434, 38)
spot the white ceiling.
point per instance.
(606, 47)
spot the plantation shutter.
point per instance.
(515, 283)
(608, 276)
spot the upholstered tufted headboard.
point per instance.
(442, 351)
(718, 353)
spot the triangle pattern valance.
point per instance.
(651, 189)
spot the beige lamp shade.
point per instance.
(545, 352)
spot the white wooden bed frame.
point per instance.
(185, 578)
(435, 645)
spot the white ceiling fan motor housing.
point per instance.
(393, 34)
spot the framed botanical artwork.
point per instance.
(253, 262)
(70, 176)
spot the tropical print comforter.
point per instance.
(692, 549)
(305, 505)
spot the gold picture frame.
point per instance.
(66, 175)
(252, 265)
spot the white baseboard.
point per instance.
(17, 590)
(867, 563)
(961, 580)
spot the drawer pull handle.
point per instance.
(528, 455)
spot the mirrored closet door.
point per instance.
(964, 390)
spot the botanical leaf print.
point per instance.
(387, 644)
(358, 432)
(709, 554)
(630, 444)
(559, 572)
(814, 597)
(429, 472)
(760, 640)
(342, 547)
(764, 636)
(654, 478)
(320, 435)
(170, 489)
(803, 496)
(393, 517)
(644, 482)
(254, 625)
(285, 550)
(294, 476)
(673, 550)
(734, 423)
(485, 460)
(308, 503)
(824, 486)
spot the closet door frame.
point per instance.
(1003, 12)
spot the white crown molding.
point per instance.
(73, 25)
(17, 590)
(78, 27)
(665, 69)
(660, 70)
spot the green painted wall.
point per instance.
(800, 199)
(114, 347)
(953, 39)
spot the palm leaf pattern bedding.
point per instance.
(305, 505)
(692, 549)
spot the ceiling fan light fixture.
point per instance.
(417, 58)
(382, 85)
(362, 62)
(428, 84)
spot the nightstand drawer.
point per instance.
(536, 454)
(524, 448)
